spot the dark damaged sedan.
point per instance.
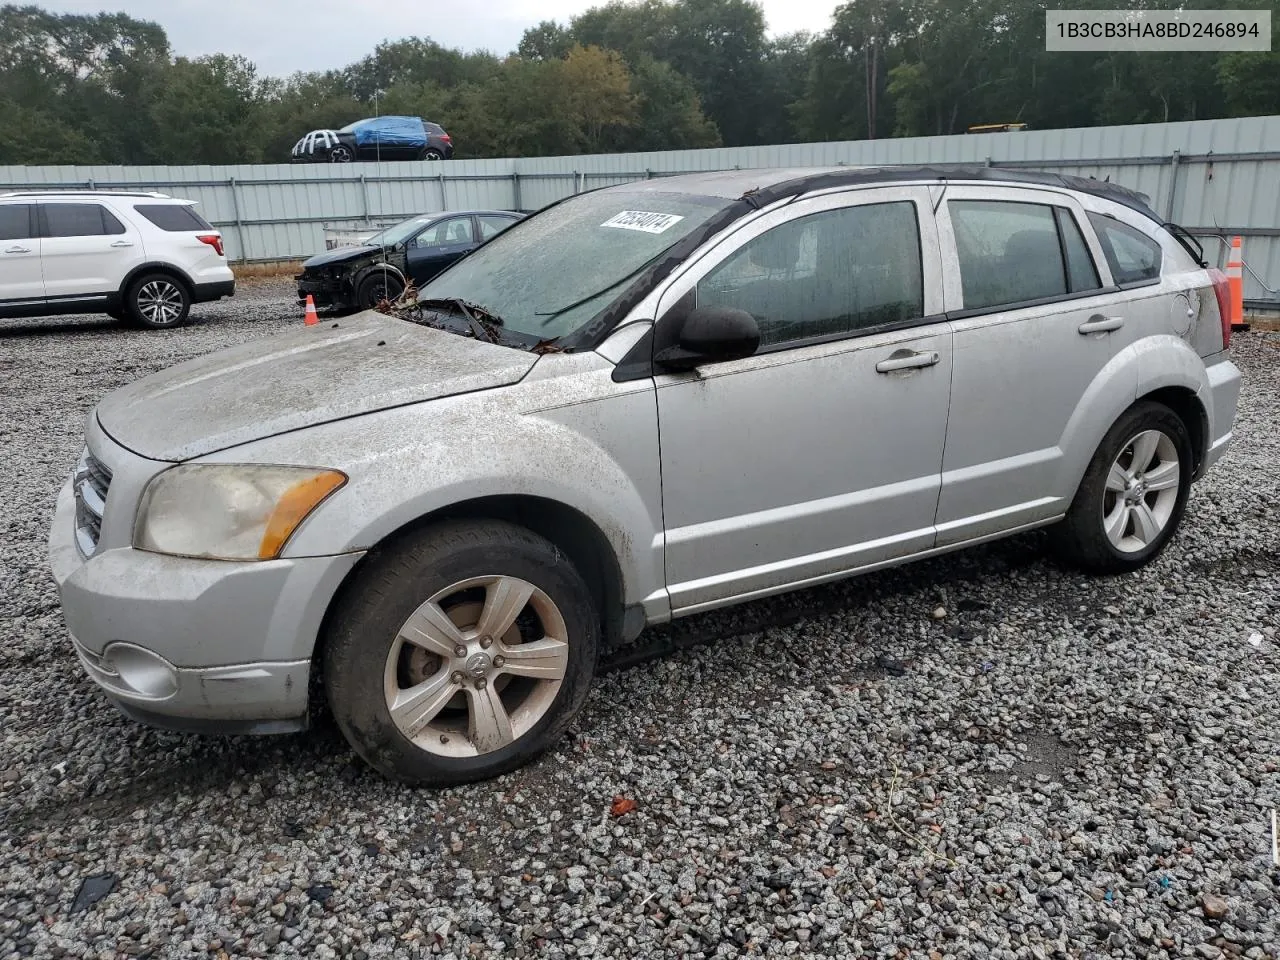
(415, 250)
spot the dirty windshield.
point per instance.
(549, 275)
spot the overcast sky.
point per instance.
(282, 36)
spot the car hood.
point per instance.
(340, 255)
(308, 376)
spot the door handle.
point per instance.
(17, 250)
(907, 360)
(1100, 324)
(122, 243)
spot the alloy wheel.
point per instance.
(476, 666)
(1141, 491)
(160, 302)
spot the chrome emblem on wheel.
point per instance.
(478, 665)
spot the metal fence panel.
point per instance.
(1217, 176)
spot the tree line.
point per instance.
(647, 75)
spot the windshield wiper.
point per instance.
(483, 323)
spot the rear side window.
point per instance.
(1132, 255)
(15, 221)
(1082, 275)
(79, 220)
(825, 275)
(174, 217)
(1009, 252)
(492, 226)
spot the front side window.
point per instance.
(15, 221)
(79, 220)
(827, 274)
(1132, 255)
(445, 233)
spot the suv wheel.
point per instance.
(157, 300)
(378, 286)
(1133, 495)
(461, 653)
(431, 153)
(341, 154)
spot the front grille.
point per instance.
(92, 480)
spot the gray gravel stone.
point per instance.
(1058, 766)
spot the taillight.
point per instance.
(213, 240)
(1222, 289)
(446, 138)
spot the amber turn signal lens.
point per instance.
(292, 508)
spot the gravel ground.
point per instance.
(1055, 766)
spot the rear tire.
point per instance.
(1133, 495)
(420, 692)
(432, 154)
(378, 286)
(157, 301)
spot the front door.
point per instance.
(21, 281)
(439, 245)
(821, 453)
(87, 250)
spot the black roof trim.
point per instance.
(856, 176)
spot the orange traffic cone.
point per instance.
(1235, 284)
(312, 318)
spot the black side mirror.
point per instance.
(711, 335)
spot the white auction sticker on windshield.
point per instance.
(643, 221)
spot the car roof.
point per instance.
(764, 186)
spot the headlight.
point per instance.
(229, 511)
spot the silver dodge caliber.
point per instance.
(642, 402)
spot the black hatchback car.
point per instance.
(415, 250)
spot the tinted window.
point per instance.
(174, 217)
(1131, 254)
(825, 274)
(492, 226)
(79, 220)
(15, 221)
(1081, 273)
(1009, 252)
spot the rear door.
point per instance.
(1036, 319)
(21, 281)
(439, 245)
(87, 250)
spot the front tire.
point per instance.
(1133, 495)
(341, 154)
(378, 286)
(157, 301)
(460, 653)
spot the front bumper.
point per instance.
(326, 292)
(194, 644)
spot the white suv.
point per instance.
(140, 257)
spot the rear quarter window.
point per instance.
(173, 217)
(1132, 255)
